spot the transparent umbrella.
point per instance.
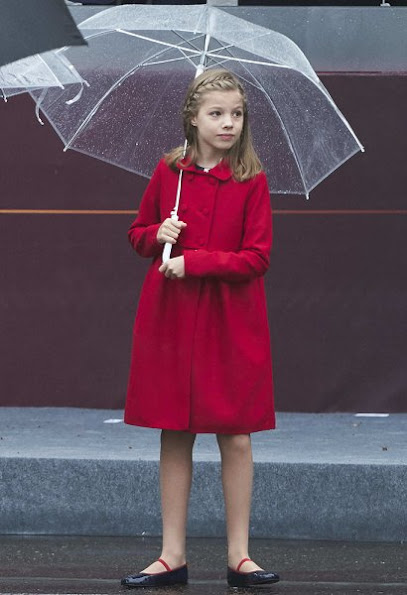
(50, 69)
(139, 62)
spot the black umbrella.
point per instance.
(28, 28)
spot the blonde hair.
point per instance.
(241, 158)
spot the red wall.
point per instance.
(337, 286)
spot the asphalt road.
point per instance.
(94, 565)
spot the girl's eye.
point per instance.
(215, 113)
(237, 114)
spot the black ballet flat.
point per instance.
(176, 576)
(250, 579)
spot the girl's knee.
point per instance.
(236, 443)
(177, 436)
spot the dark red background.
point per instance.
(337, 286)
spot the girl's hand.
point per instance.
(174, 268)
(169, 231)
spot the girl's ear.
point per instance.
(193, 121)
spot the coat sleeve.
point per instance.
(253, 258)
(143, 231)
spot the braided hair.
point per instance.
(241, 157)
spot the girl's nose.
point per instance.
(227, 122)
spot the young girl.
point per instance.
(201, 353)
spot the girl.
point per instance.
(201, 353)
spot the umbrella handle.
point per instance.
(167, 252)
(167, 245)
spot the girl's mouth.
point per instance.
(226, 136)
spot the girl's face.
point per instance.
(219, 122)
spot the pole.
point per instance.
(174, 213)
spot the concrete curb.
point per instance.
(61, 483)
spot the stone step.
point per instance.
(317, 476)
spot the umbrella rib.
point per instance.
(287, 135)
(89, 36)
(195, 52)
(166, 43)
(139, 36)
(95, 34)
(199, 51)
(213, 60)
(182, 58)
(188, 57)
(50, 70)
(223, 47)
(72, 69)
(273, 65)
(248, 61)
(341, 116)
(332, 170)
(249, 82)
(185, 56)
(190, 41)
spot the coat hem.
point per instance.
(192, 430)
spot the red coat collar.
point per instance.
(221, 171)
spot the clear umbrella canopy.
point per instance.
(139, 63)
(50, 69)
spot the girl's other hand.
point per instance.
(174, 268)
(169, 231)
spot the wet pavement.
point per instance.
(94, 565)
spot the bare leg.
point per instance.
(175, 482)
(237, 480)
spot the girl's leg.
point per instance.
(175, 482)
(237, 480)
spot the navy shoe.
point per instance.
(177, 576)
(250, 579)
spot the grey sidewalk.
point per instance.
(318, 476)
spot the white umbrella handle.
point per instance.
(168, 246)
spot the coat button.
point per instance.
(212, 181)
(184, 209)
(205, 211)
(201, 241)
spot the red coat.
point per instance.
(201, 349)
